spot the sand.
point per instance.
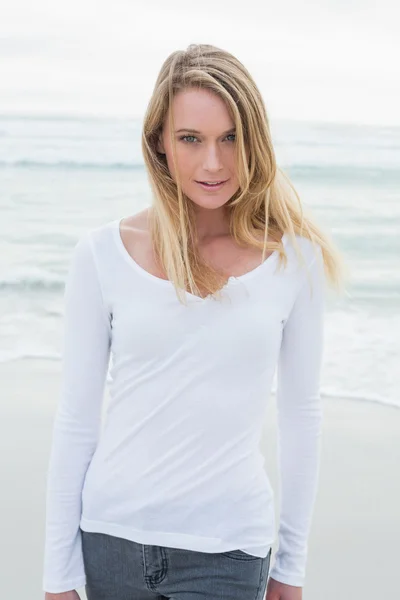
(354, 545)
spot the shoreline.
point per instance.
(353, 543)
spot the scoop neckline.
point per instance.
(115, 225)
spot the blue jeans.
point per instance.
(120, 569)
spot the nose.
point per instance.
(212, 159)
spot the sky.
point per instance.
(331, 60)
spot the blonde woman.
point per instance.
(197, 299)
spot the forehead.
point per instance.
(202, 110)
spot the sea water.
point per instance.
(62, 176)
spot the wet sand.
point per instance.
(354, 541)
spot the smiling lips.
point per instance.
(211, 184)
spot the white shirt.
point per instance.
(177, 462)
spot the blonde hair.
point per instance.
(266, 202)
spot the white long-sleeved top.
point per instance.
(175, 460)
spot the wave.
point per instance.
(37, 355)
(337, 173)
(325, 394)
(344, 173)
(344, 395)
(29, 356)
(360, 397)
(55, 284)
(33, 283)
(69, 164)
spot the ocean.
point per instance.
(62, 176)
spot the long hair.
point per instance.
(266, 204)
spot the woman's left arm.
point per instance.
(299, 423)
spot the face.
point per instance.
(205, 147)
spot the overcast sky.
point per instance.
(332, 60)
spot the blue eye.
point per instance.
(185, 137)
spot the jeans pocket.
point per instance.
(240, 555)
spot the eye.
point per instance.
(184, 138)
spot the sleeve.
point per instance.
(299, 420)
(85, 356)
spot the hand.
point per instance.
(71, 595)
(282, 591)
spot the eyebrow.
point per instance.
(199, 132)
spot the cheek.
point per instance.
(170, 164)
(185, 163)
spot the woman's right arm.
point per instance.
(72, 595)
(76, 428)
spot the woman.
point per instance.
(171, 500)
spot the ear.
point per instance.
(160, 145)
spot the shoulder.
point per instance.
(304, 259)
(302, 246)
(101, 236)
(127, 227)
(134, 231)
(136, 222)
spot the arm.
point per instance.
(86, 348)
(299, 424)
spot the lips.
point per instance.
(213, 182)
(211, 188)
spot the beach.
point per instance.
(353, 544)
(60, 178)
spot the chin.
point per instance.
(211, 202)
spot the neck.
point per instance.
(211, 223)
